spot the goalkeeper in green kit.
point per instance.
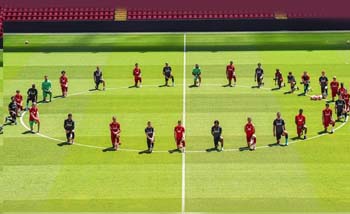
(196, 72)
(46, 87)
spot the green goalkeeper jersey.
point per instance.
(196, 71)
(46, 85)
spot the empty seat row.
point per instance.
(59, 18)
(55, 9)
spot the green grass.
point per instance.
(39, 176)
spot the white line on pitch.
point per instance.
(183, 171)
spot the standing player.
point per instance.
(259, 75)
(305, 80)
(341, 90)
(249, 130)
(231, 74)
(69, 126)
(114, 127)
(64, 83)
(216, 131)
(137, 75)
(46, 87)
(12, 108)
(34, 117)
(323, 80)
(279, 129)
(340, 109)
(179, 135)
(98, 78)
(167, 72)
(334, 87)
(150, 136)
(278, 78)
(19, 102)
(300, 122)
(32, 95)
(196, 72)
(327, 118)
(292, 82)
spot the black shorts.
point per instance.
(339, 113)
(217, 140)
(98, 81)
(279, 135)
(32, 99)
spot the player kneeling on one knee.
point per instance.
(300, 122)
(279, 129)
(249, 130)
(114, 127)
(98, 78)
(216, 131)
(340, 109)
(12, 108)
(34, 117)
(179, 135)
(150, 136)
(327, 118)
(69, 126)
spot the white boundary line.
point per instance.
(177, 33)
(183, 180)
(161, 151)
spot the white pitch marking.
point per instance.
(183, 171)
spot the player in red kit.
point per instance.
(179, 135)
(137, 75)
(231, 74)
(114, 127)
(327, 118)
(305, 80)
(34, 117)
(300, 122)
(341, 90)
(278, 78)
(19, 102)
(346, 98)
(64, 83)
(334, 87)
(249, 130)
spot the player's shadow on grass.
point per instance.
(287, 92)
(227, 85)
(329, 101)
(212, 150)
(322, 132)
(174, 150)
(161, 86)
(242, 149)
(255, 86)
(296, 138)
(28, 132)
(133, 86)
(109, 149)
(193, 86)
(58, 96)
(144, 152)
(64, 144)
(275, 89)
(302, 94)
(274, 144)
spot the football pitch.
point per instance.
(40, 174)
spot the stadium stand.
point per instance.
(146, 14)
(59, 14)
(1, 23)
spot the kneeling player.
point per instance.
(19, 102)
(114, 127)
(327, 118)
(137, 76)
(32, 95)
(34, 117)
(69, 126)
(259, 75)
(292, 82)
(64, 83)
(150, 134)
(278, 78)
(279, 129)
(12, 108)
(249, 130)
(179, 135)
(167, 72)
(196, 72)
(216, 131)
(300, 122)
(98, 78)
(340, 109)
(305, 80)
(346, 98)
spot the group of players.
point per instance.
(341, 106)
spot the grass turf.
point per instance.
(38, 175)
